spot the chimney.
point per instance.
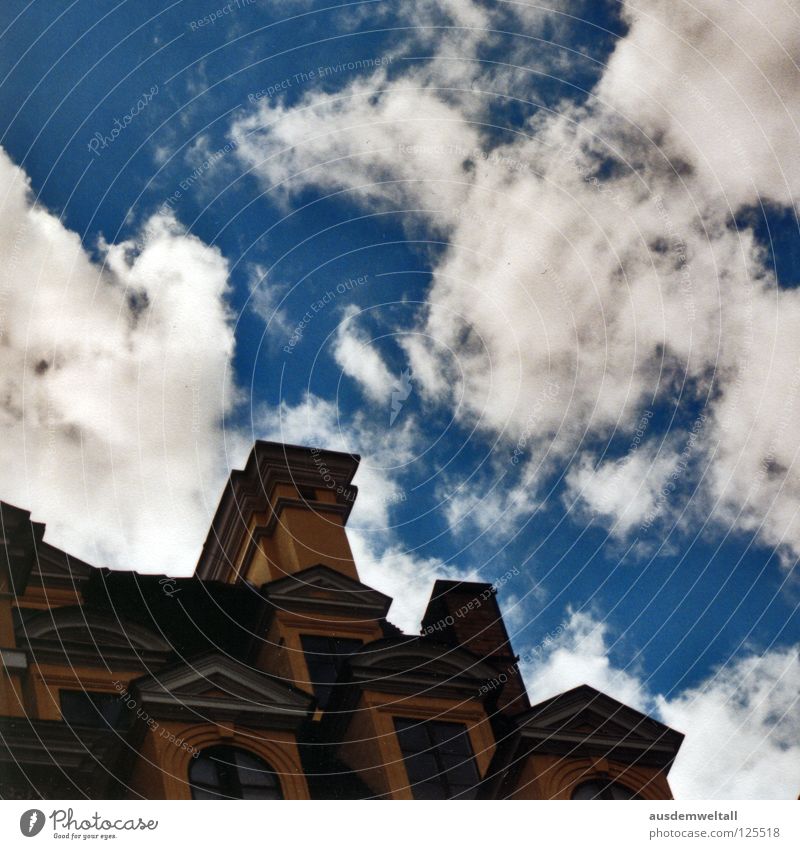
(284, 512)
(466, 614)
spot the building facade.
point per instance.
(274, 672)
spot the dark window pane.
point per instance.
(602, 788)
(260, 793)
(97, 710)
(230, 773)
(422, 767)
(450, 761)
(325, 657)
(413, 735)
(205, 772)
(430, 790)
(200, 793)
(438, 758)
(462, 775)
(467, 791)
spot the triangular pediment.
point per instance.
(78, 625)
(320, 588)
(584, 721)
(417, 664)
(217, 687)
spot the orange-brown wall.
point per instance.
(162, 769)
(371, 747)
(282, 651)
(553, 777)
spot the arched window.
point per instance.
(225, 772)
(603, 788)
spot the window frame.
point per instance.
(435, 748)
(229, 774)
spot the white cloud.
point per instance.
(722, 84)
(743, 730)
(361, 360)
(626, 492)
(741, 723)
(404, 575)
(494, 509)
(593, 250)
(114, 382)
(365, 140)
(578, 654)
(317, 421)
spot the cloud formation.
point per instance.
(115, 379)
(594, 249)
(743, 732)
(600, 255)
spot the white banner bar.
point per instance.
(352, 825)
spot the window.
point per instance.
(95, 710)
(603, 788)
(438, 759)
(225, 772)
(325, 657)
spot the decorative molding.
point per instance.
(560, 726)
(13, 660)
(411, 667)
(216, 688)
(320, 589)
(248, 491)
(69, 760)
(19, 538)
(84, 636)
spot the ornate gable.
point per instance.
(586, 722)
(416, 665)
(320, 589)
(216, 688)
(83, 635)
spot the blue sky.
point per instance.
(471, 164)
